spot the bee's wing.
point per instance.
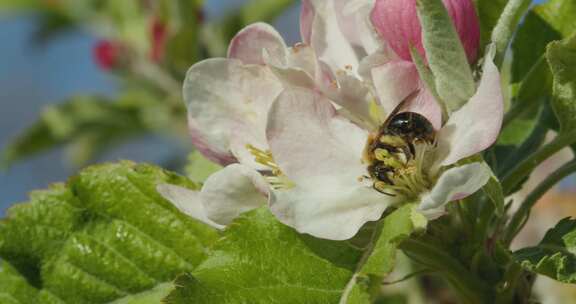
(400, 106)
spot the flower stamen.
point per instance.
(274, 176)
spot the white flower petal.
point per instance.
(355, 24)
(326, 36)
(232, 191)
(308, 139)
(249, 44)
(187, 201)
(394, 81)
(475, 126)
(354, 96)
(226, 97)
(456, 183)
(328, 207)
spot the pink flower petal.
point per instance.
(397, 23)
(394, 81)
(306, 21)
(249, 44)
(475, 126)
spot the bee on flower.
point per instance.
(333, 131)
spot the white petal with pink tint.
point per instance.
(298, 68)
(326, 37)
(308, 139)
(426, 105)
(329, 207)
(393, 82)
(187, 201)
(232, 191)
(354, 23)
(354, 96)
(456, 183)
(249, 44)
(475, 126)
(226, 97)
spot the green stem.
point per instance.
(506, 26)
(469, 287)
(507, 292)
(524, 168)
(520, 217)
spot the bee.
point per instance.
(391, 148)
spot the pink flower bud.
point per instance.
(397, 23)
(159, 35)
(106, 54)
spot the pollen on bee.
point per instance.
(393, 141)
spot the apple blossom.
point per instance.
(298, 121)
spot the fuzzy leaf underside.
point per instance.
(104, 236)
(445, 54)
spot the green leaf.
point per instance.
(89, 124)
(380, 257)
(555, 256)
(446, 56)
(506, 26)
(260, 260)
(81, 116)
(264, 10)
(14, 288)
(199, 168)
(426, 75)
(393, 230)
(562, 59)
(535, 91)
(552, 20)
(106, 235)
(489, 12)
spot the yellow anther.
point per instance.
(278, 180)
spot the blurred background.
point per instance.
(44, 61)
(84, 83)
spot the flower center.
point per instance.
(397, 166)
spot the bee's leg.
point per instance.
(382, 191)
(411, 149)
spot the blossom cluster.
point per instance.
(301, 128)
